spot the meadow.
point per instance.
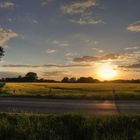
(68, 127)
(128, 91)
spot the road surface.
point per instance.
(40, 105)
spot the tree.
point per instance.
(82, 80)
(1, 52)
(1, 55)
(87, 80)
(31, 76)
(72, 80)
(65, 80)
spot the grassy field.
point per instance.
(71, 90)
(68, 127)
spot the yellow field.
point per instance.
(74, 90)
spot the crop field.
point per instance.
(73, 90)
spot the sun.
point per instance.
(107, 72)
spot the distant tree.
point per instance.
(1, 52)
(1, 55)
(31, 76)
(20, 77)
(91, 80)
(82, 80)
(72, 80)
(65, 80)
(87, 80)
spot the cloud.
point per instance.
(45, 2)
(98, 50)
(129, 59)
(132, 48)
(96, 58)
(61, 43)
(45, 65)
(78, 6)
(7, 5)
(56, 73)
(101, 51)
(134, 27)
(70, 54)
(55, 42)
(137, 65)
(85, 21)
(91, 42)
(86, 18)
(6, 35)
(50, 51)
(64, 44)
(80, 12)
(35, 21)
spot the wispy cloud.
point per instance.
(45, 2)
(45, 65)
(7, 4)
(78, 6)
(82, 10)
(134, 66)
(96, 58)
(134, 27)
(56, 73)
(6, 35)
(132, 48)
(70, 54)
(50, 51)
(61, 43)
(35, 21)
(85, 21)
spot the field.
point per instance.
(68, 127)
(74, 90)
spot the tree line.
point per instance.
(33, 77)
(29, 77)
(79, 80)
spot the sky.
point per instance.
(59, 38)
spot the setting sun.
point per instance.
(107, 72)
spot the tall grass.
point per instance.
(68, 127)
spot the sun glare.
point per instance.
(107, 72)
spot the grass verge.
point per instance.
(68, 127)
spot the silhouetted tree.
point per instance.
(1, 52)
(1, 55)
(72, 80)
(65, 80)
(82, 80)
(87, 80)
(31, 76)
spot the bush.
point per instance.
(2, 84)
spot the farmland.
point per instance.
(73, 90)
(72, 125)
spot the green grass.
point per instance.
(73, 90)
(68, 127)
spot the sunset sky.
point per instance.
(58, 38)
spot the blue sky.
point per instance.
(48, 36)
